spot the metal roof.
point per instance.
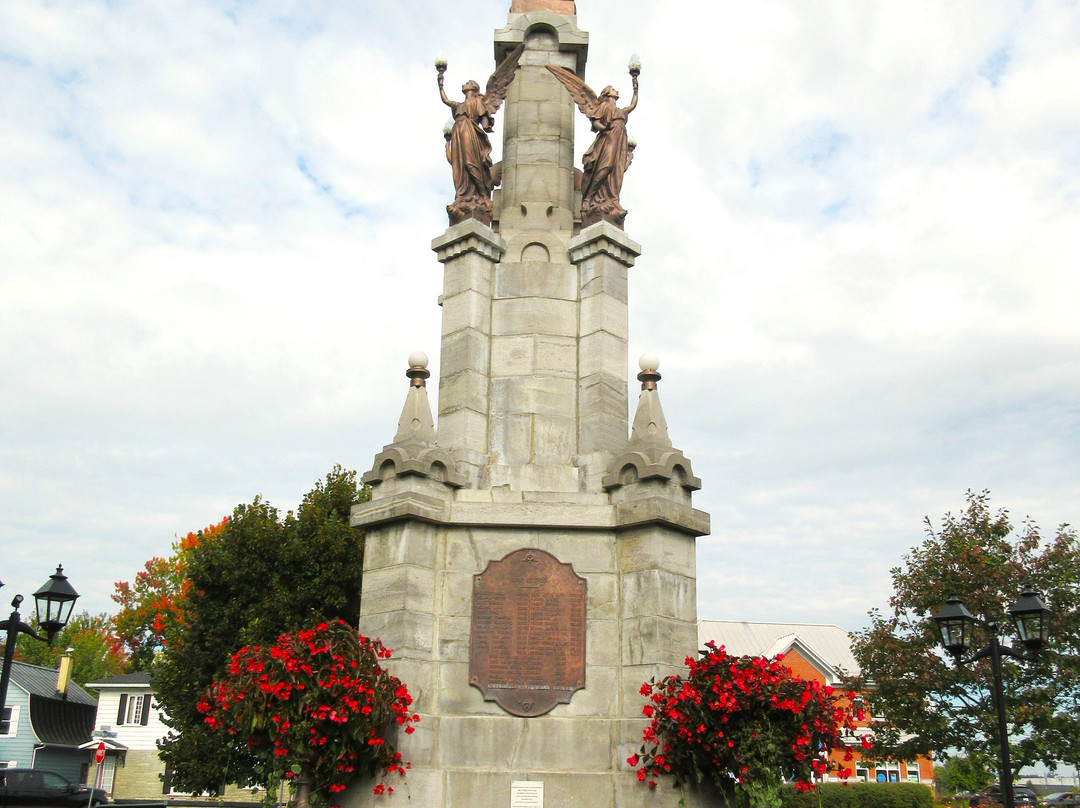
(56, 721)
(124, 680)
(39, 681)
(831, 644)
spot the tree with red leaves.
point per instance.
(747, 721)
(152, 608)
(314, 708)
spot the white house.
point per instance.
(130, 727)
(130, 724)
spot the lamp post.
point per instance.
(957, 626)
(53, 602)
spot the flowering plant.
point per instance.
(746, 720)
(315, 707)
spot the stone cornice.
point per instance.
(606, 238)
(468, 236)
(655, 510)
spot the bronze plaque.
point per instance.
(527, 641)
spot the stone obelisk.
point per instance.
(531, 536)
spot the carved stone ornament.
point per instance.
(527, 639)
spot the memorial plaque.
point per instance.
(527, 640)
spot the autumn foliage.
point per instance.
(316, 703)
(746, 721)
(152, 607)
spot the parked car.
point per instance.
(31, 787)
(1023, 797)
(1063, 799)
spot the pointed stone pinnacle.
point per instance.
(649, 455)
(416, 424)
(650, 426)
(414, 451)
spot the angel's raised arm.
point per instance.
(442, 92)
(633, 101)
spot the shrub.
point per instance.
(860, 795)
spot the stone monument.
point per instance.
(529, 563)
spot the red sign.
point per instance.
(99, 753)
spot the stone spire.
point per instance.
(649, 454)
(415, 450)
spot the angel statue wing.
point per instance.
(495, 92)
(582, 94)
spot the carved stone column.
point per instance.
(469, 252)
(602, 253)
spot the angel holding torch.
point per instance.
(607, 159)
(468, 146)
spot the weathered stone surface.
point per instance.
(533, 316)
(469, 309)
(657, 640)
(464, 429)
(652, 547)
(604, 313)
(602, 645)
(409, 633)
(554, 439)
(399, 588)
(469, 272)
(659, 593)
(586, 550)
(467, 349)
(603, 357)
(541, 279)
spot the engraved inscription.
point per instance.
(527, 640)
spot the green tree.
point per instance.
(256, 578)
(932, 706)
(963, 773)
(95, 652)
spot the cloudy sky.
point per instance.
(860, 221)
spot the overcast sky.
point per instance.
(860, 222)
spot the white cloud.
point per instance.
(860, 237)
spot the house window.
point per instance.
(9, 723)
(862, 771)
(913, 772)
(134, 709)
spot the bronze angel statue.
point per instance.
(468, 148)
(610, 153)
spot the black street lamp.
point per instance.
(957, 626)
(53, 603)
